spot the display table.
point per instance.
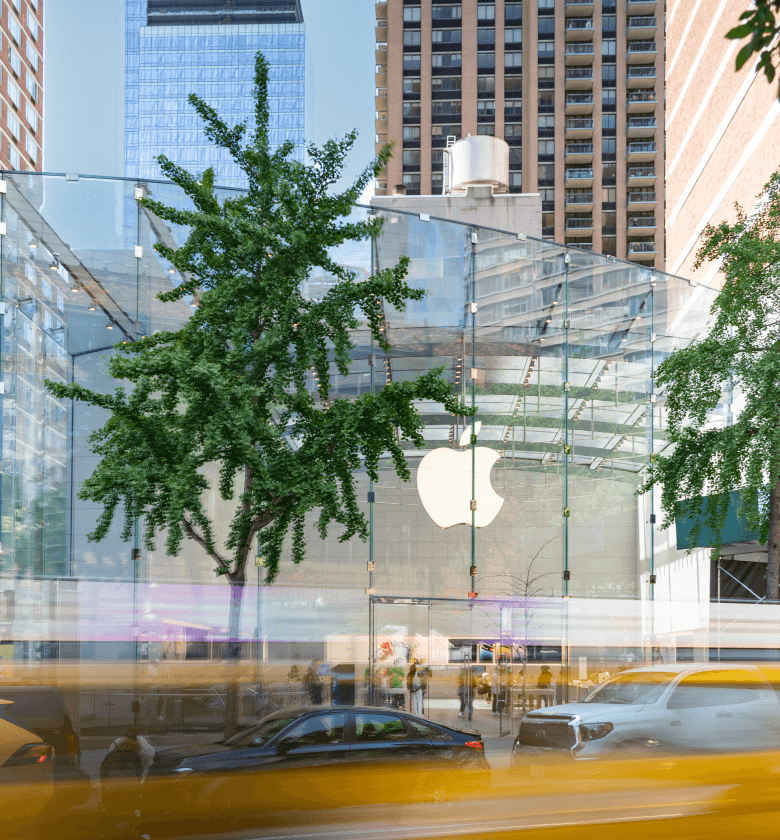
(535, 698)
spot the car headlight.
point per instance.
(594, 731)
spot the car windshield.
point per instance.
(262, 732)
(630, 689)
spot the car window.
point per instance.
(639, 688)
(715, 688)
(34, 705)
(422, 730)
(376, 726)
(323, 729)
(262, 732)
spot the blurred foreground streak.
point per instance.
(735, 796)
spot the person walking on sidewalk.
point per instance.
(467, 687)
(415, 687)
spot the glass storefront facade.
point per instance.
(165, 64)
(555, 346)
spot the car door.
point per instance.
(315, 741)
(720, 709)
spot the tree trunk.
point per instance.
(234, 657)
(773, 546)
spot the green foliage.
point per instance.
(760, 25)
(232, 387)
(742, 349)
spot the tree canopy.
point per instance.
(741, 351)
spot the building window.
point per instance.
(546, 122)
(487, 128)
(15, 61)
(608, 24)
(411, 157)
(412, 62)
(608, 173)
(546, 173)
(412, 85)
(13, 124)
(14, 159)
(412, 109)
(608, 123)
(411, 181)
(437, 158)
(608, 48)
(32, 116)
(609, 222)
(513, 108)
(34, 4)
(411, 133)
(444, 131)
(513, 11)
(513, 130)
(609, 195)
(546, 4)
(609, 245)
(547, 50)
(486, 108)
(14, 93)
(548, 222)
(513, 58)
(546, 77)
(445, 84)
(446, 12)
(486, 61)
(515, 179)
(514, 35)
(17, 4)
(412, 14)
(609, 75)
(446, 36)
(609, 97)
(437, 181)
(546, 148)
(32, 87)
(547, 195)
(513, 85)
(486, 37)
(515, 157)
(445, 60)
(445, 108)
(546, 102)
(31, 148)
(608, 146)
(32, 24)
(15, 29)
(547, 27)
(32, 56)
(412, 38)
(486, 84)
(485, 12)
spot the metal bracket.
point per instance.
(567, 575)
(474, 238)
(566, 259)
(370, 566)
(371, 360)
(653, 578)
(473, 571)
(472, 308)
(473, 504)
(425, 217)
(3, 187)
(3, 228)
(138, 252)
(371, 497)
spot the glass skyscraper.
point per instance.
(174, 48)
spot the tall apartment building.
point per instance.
(21, 85)
(177, 47)
(574, 86)
(722, 129)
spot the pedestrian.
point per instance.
(494, 691)
(467, 688)
(545, 682)
(313, 684)
(415, 687)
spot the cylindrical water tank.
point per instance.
(479, 160)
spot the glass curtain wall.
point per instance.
(554, 346)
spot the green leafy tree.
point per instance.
(759, 23)
(231, 387)
(741, 350)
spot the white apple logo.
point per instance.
(444, 484)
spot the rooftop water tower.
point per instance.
(476, 161)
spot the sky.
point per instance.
(84, 81)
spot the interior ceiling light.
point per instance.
(92, 306)
(110, 325)
(171, 271)
(54, 265)
(33, 245)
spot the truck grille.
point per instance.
(545, 732)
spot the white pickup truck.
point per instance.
(704, 707)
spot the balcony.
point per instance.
(579, 29)
(579, 78)
(641, 77)
(639, 202)
(579, 202)
(579, 54)
(579, 128)
(380, 33)
(579, 103)
(641, 101)
(641, 176)
(640, 126)
(640, 225)
(641, 52)
(642, 27)
(579, 226)
(579, 8)
(381, 11)
(642, 251)
(579, 152)
(641, 152)
(636, 8)
(380, 102)
(380, 54)
(579, 177)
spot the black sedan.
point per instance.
(323, 757)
